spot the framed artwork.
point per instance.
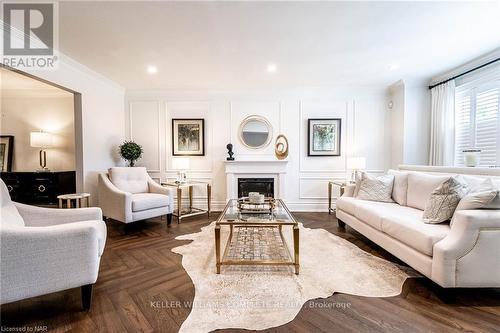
(323, 137)
(6, 152)
(188, 137)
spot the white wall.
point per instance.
(409, 123)
(397, 123)
(149, 115)
(417, 124)
(24, 111)
(102, 118)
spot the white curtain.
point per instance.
(442, 124)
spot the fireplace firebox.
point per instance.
(262, 185)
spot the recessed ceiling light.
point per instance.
(393, 67)
(271, 68)
(152, 69)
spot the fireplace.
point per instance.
(271, 169)
(262, 185)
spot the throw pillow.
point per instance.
(477, 200)
(489, 185)
(400, 187)
(444, 200)
(375, 188)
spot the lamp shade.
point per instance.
(356, 163)
(180, 163)
(41, 139)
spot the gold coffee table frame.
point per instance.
(263, 223)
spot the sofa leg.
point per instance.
(341, 224)
(169, 219)
(87, 296)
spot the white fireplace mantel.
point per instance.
(256, 169)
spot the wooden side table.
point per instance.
(192, 211)
(341, 185)
(79, 198)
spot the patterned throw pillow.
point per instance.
(375, 188)
(444, 200)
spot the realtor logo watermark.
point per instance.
(30, 35)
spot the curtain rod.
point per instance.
(464, 73)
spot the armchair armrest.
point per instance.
(114, 202)
(154, 187)
(41, 217)
(349, 190)
(470, 249)
(36, 261)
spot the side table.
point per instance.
(77, 197)
(341, 185)
(191, 211)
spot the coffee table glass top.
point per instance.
(234, 213)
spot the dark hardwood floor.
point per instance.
(138, 268)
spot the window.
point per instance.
(477, 117)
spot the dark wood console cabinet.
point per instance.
(39, 188)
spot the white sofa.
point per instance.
(44, 250)
(465, 254)
(128, 194)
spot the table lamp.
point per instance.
(41, 140)
(355, 164)
(182, 165)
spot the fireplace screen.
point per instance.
(262, 185)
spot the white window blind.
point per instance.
(477, 117)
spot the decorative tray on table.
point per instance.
(246, 206)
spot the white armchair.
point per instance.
(129, 194)
(45, 250)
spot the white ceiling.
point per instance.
(228, 45)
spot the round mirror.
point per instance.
(255, 132)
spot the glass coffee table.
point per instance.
(256, 235)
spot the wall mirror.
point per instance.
(255, 132)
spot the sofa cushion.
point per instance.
(411, 230)
(420, 187)
(9, 215)
(366, 211)
(347, 204)
(372, 212)
(130, 179)
(144, 201)
(400, 187)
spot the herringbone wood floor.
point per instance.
(138, 268)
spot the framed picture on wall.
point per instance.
(6, 152)
(188, 137)
(323, 137)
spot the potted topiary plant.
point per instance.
(131, 152)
